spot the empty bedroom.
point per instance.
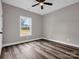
(39, 29)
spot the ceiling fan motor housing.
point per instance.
(40, 1)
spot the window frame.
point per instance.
(24, 17)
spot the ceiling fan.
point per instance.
(41, 3)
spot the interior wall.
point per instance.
(11, 24)
(63, 25)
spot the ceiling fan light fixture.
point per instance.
(41, 4)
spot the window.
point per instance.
(25, 26)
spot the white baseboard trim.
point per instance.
(10, 44)
(74, 45)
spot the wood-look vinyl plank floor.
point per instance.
(40, 49)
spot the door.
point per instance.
(0, 26)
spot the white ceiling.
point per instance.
(27, 5)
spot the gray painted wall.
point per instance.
(63, 25)
(11, 24)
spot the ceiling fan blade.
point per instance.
(42, 7)
(48, 3)
(35, 5)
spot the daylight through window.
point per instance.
(25, 26)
